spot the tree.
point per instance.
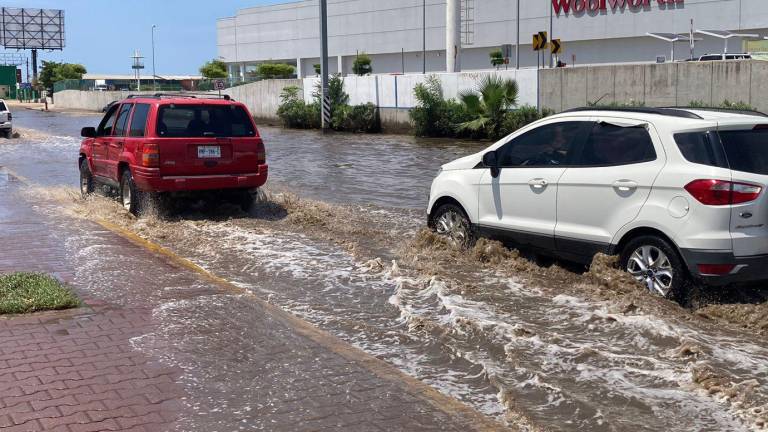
(497, 58)
(275, 70)
(214, 69)
(488, 105)
(52, 72)
(362, 65)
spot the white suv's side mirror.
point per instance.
(491, 160)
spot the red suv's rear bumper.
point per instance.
(150, 180)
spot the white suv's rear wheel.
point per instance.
(655, 263)
(449, 220)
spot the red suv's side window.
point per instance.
(139, 120)
(122, 119)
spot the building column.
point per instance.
(242, 71)
(340, 60)
(230, 71)
(298, 69)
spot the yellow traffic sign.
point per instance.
(556, 46)
(540, 41)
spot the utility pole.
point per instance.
(154, 74)
(551, 33)
(517, 46)
(424, 36)
(325, 104)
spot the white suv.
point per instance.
(6, 120)
(677, 193)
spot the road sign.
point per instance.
(506, 51)
(556, 46)
(26, 85)
(540, 41)
(218, 84)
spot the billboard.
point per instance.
(23, 28)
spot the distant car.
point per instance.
(146, 146)
(108, 106)
(6, 120)
(721, 57)
(678, 194)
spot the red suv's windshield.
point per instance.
(177, 121)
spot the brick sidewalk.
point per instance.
(161, 349)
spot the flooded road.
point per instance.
(343, 248)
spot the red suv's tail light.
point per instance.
(261, 153)
(150, 155)
(721, 192)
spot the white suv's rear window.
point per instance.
(3, 107)
(747, 150)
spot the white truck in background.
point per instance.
(100, 85)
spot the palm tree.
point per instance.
(488, 105)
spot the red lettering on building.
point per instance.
(579, 6)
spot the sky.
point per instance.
(102, 34)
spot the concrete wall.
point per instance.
(262, 97)
(88, 100)
(396, 91)
(669, 84)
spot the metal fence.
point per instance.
(91, 85)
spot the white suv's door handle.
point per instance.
(625, 185)
(538, 183)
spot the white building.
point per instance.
(592, 31)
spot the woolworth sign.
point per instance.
(581, 6)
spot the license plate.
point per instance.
(208, 151)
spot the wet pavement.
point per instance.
(530, 345)
(160, 349)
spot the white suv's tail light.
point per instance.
(721, 192)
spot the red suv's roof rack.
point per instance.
(181, 95)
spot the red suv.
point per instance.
(151, 145)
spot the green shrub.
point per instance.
(522, 117)
(631, 104)
(434, 116)
(488, 105)
(294, 112)
(697, 104)
(275, 70)
(497, 58)
(740, 106)
(362, 65)
(358, 118)
(318, 68)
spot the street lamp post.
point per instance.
(154, 75)
(424, 37)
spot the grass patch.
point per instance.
(32, 292)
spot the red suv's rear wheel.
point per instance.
(130, 196)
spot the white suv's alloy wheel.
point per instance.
(452, 225)
(651, 266)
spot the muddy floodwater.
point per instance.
(338, 239)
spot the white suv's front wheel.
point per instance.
(655, 263)
(451, 221)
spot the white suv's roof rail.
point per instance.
(725, 110)
(671, 112)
